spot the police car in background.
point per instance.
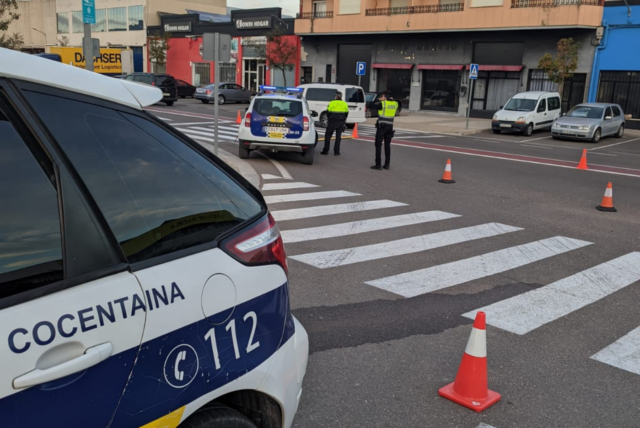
(278, 120)
(143, 283)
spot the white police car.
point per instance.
(143, 282)
(278, 120)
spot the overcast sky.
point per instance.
(289, 7)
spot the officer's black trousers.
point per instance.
(337, 127)
(384, 133)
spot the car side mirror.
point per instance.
(564, 114)
(314, 114)
(501, 107)
(608, 118)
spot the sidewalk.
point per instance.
(440, 123)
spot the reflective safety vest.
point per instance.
(388, 112)
(338, 106)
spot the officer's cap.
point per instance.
(339, 94)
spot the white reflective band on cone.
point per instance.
(609, 193)
(448, 167)
(477, 344)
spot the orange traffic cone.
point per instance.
(470, 387)
(607, 200)
(355, 131)
(446, 177)
(239, 118)
(583, 160)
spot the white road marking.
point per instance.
(228, 129)
(624, 353)
(208, 140)
(614, 144)
(416, 244)
(603, 154)
(308, 196)
(165, 119)
(537, 146)
(281, 169)
(286, 186)
(209, 133)
(363, 226)
(323, 210)
(535, 139)
(531, 310)
(435, 278)
(487, 141)
(270, 177)
(192, 123)
(483, 425)
(402, 137)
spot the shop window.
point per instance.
(63, 23)
(76, 20)
(136, 18)
(117, 19)
(101, 21)
(493, 89)
(440, 90)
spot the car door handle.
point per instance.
(91, 357)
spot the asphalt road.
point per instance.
(383, 300)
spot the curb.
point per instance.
(241, 166)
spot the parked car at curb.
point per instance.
(590, 121)
(371, 98)
(319, 95)
(227, 93)
(185, 89)
(526, 112)
(165, 82)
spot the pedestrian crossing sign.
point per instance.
(473, 71)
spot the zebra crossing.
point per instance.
(228, 131)
(520, 314)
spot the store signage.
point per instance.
(254, 40)
(178, 28)
(253, 23)
(108, 61)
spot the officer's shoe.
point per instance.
(324, 152)
(336, 153)
(386, 167)
(377, 167)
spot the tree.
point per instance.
(564, 64)
(158, 47)
(279, 52)
(7, 16)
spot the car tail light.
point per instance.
(259, 245)
(305, 124)
(153, 83)
(247, 120)
(208, 91)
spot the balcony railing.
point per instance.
(554, 3)
(314, 15)
(407, 10)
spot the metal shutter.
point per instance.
(348, 56)
(498, 53)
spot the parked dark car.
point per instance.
(185, 89)
(165, 82)
(371, 98)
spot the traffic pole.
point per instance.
(471, 86)
(216, 68)
(87, 48)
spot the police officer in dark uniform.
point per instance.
(387, 109)
(337, 111)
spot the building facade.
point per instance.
(616, 67)
(248, 67)
(420, 49)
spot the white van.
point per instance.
(526, 112)
(319, 95)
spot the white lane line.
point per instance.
(531, 310)
(487, 141)
(309, 196)
(191, 123)
(483, 425)
(285, 186)
(363, 226)
(323, 210)
(535, 139)
(270, 177)
(209, 133)
(624, 353)
(416, 244)
(165, 119)
(435, 278)
(281, 169)
(421, 136)
(603, 154)
(233, 129)
(208, 140)
(611, 145)
(536, 146)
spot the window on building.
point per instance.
(136, 19)
(63, 23)
(440, 90)
(77, 26)
(399, 3)
(101, 21)
(349, 7)
(398, 82)
(319, 8)
(117, 17)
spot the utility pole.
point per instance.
(88, 18)
(216, 80)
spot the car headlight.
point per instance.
(585, 127)
(521, 119)
(495, 117)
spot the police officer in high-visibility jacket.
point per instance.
(387, 109)
(337, 111)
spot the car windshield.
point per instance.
(520, 104)
(370, 97)
(164, 79)
(586, 112)
(268, 107)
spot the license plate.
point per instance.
(276, 130)
(199, 90)
(566, 131)
(505, 125)
(166, 94)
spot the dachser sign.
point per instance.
(108, 62)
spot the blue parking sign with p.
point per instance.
(361, 68)
(88, 11)
(473, 71)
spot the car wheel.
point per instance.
(220, 99)
(324, 120)
(496, 131)
(620, 132)
(367, 113)
(183, 96)
(596, 136)
(554, 137)
(205, 101)
(316, 143)
(528, 131)
(307, 157)
(243, 152)
(217, 416)
(350, 125)
(169, 103)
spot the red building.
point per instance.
(248, 28)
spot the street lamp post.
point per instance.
(43, 33)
